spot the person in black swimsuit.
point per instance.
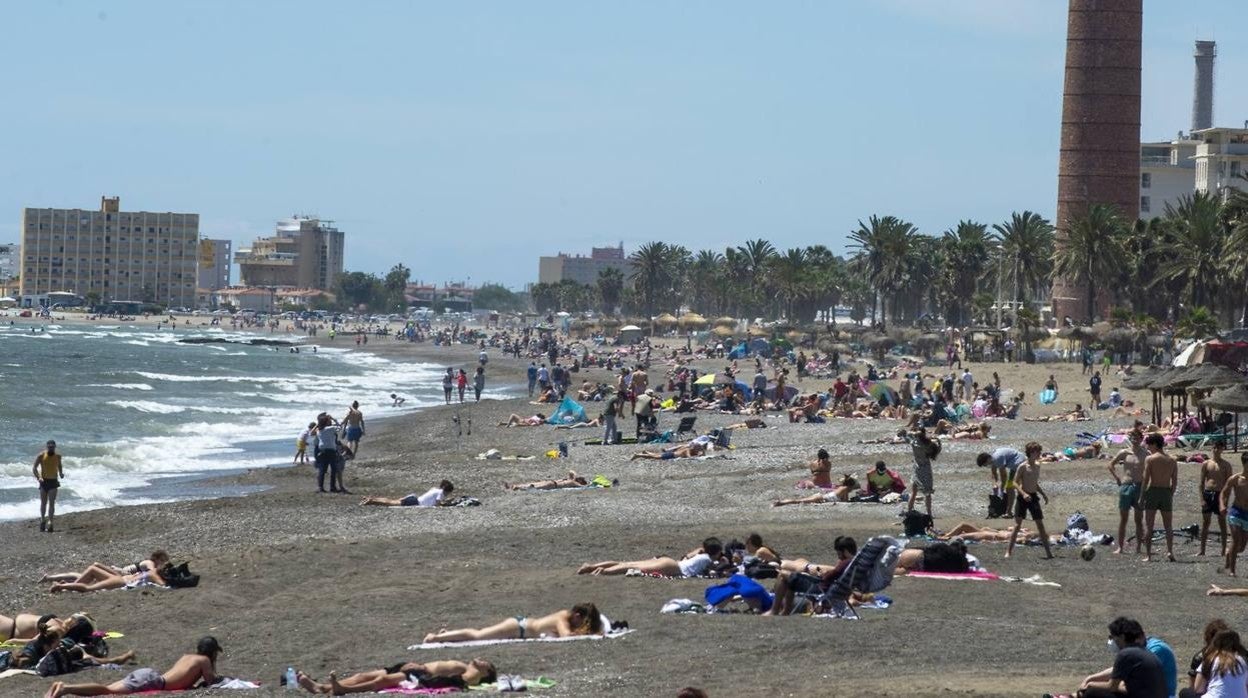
(439, 674)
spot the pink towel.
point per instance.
(980, 575)
(420, 691)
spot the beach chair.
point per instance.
(869, 572)
(722, 438)
(686, 426)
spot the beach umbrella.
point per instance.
(842, 349)
(1158, 341)
(690, 321)
(1120, 338)
(1077, 333)
(790, 391)
(880, 342)
(1142, 379)
(725, 321)
(666, 319)
(610, 323)
(904, 335)
(795, 336)
(784, 326)
(723, 332)
(715, 379)
(757, 331)
(883, 394)
(1230, 399)
(1212, 376)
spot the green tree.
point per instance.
(1093, 250)
(884, 248)
(966, 251)
(610, 288)
(357, 288)
(545, 297)
(1193, 257)
(1199, 323)
(1024, 253)
(653, 274)
(497, 297)
(704, 279)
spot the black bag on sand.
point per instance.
(916, 524)
(179, 577)
(996, 506)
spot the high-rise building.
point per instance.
(117, 255)
(10, 253)
(1167, 174)
(305, 252)
(215, 258)
(1100, 137)
(582, 269)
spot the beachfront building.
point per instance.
(215, 258)
(582, 269)
(454, 296)
(240, 298)
(1167, 174)
(305, 252)
(10, 254)
(109, 254)
(1221, 160)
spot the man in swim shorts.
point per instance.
(1132, 460)
(189, 671)
(354, 422)
(49, 473)
(1027, 482)
(1213, 476)
(1004, 462)
(1233, 502)
(432, 498)
(1161, 479)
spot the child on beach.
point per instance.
(301, 445)
(1027, 483)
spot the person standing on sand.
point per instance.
(301, 444)
(354, 422)
(478, 382)
(448, 384)
(1027, 482)
(1161, 479)
(1132, 460)
(1213, 476)
(49, 472)
(461, 382)
(1233, 503)
(532, 375)
(925, 449)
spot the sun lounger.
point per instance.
(870, 571)
(686, 426)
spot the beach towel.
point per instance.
(1048, 396)
(979, 575)
(1034, 579)
(539, 683)
(16, 672)
(411, 690)
(510, 641)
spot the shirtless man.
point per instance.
(1213, 476)
(572, 481)
(1233, 503)
(432, 675)
(1027, 482)
(1161, 479)
(692, 449)
(1132, 460)
(187, 672)
(354, 422)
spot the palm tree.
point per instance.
(757, 256)
(789, 275)
(705, 276)
(1093, 249)
(1194, 255)
(1024, 252)
(652, 273)
(1200, 323)
(610, 287)
(966, 252)
(883, 255)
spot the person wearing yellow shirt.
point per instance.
(48, 472)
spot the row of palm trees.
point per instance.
(1194, 256)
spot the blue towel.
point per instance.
(739, 584)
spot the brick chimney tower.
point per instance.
(1100, 143)
(1202, 89)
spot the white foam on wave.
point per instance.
(121, 386)
(148, 406)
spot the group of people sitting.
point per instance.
(881, 481)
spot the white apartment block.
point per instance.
(215, 258)
(10, 253)
(1211, 160)
(118, 255)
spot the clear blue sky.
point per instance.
(466, 139)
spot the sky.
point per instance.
(466, 139)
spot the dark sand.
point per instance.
(292, 577)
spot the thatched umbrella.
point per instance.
(795, 336)
(784, 326)
(725, 321)
(852, 328)
(1142, 379)
(1158, 341)
(881, 343)
(1213, 376)
(1120, 339)
(904, 335)
(757, 331)
(610, 323)
(1078, 333)
(1032, 333)
(842, 348)
(692, 321)
(723, 332)
(1233, 399)
(665, 320)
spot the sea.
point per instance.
(141, 416)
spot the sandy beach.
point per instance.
(291, 577)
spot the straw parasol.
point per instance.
(1230, 399)
(666, 320)
(690, 321)
(1143, 379)
(1077, 333)
(1177, 379)
(880, 342)
(1212, 376)
(724, 332)
(757, 331)
(610, 323)
(725, 321)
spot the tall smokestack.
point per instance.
(1100, 147)
(1202, 92)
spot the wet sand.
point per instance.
(292, 577)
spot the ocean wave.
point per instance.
(148, 406)
(121, 386)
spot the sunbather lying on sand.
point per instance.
(1075, 415)
(187, 672)
(572, 480)
(432, 498)
(439, 674)
(23, 627)
(68, 636)
(692, 449)
(1215, 590)
(751, 423)
(984, 534)
(581, 619)
(944, 557)
(694, 564)
(975, 433)
(100, 577)
(595, 422)
(96, 570)
(1090, 452)
(516, 420)
(840, 493)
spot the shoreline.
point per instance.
(294, 578)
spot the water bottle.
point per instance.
(292, 681)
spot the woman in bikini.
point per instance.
(694, 564)
(847, 486)
(22, 627)
(581, 619)
(516, 420)
(448, 674)
(572, 481)
(96, 570)
(820, 472)
(101, 578)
